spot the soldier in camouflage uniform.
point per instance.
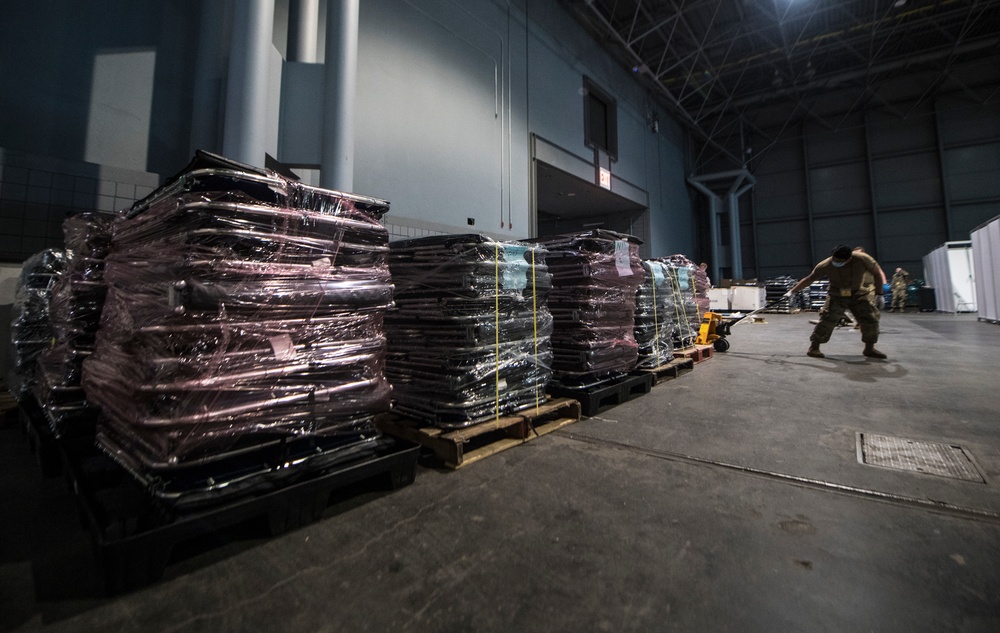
(846, 271)
(899, 281)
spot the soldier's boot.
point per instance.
(871, 352)
(814, 351)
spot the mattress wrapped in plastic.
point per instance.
(31, 328)
(681, 272)
(243, 308)
(702, 284)
(469, 338)
(75, 311)
(595, 275)
(655, 316)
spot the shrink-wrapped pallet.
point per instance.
(595, 275)
(682, 272)
(243, 310)
(31, 328)
(469, 338)
(75, 311)
(655, 316)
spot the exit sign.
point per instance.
(604, 178)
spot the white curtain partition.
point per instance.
(949, 271)
(986, 269)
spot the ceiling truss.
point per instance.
(716, 64)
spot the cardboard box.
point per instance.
(748, 298)
(719, 299)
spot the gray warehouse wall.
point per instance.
(900, 186)
(108, 95)
(559, 55)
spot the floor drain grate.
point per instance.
(944, 460)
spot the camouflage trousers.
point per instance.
(866, 314)
(899, 298)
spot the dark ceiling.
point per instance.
(714, 63)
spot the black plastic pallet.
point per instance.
(134, 535)
(607, 393)
(41, 442)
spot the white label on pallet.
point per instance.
(283, 347)
(622, 262)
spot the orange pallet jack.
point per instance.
(716, 327)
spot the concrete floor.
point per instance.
(730, 499)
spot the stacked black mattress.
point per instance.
(243, 309)
(655, 316)
(595, 275)
(774, 291)
(75, 313)
(31, 328)
(818, 291)
(469, 338)
(682, 279)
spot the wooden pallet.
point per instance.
(669, 371)
(461, 447)
(697, 353)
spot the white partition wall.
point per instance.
(949, 271)
(986, 269)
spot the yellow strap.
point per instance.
(534, 318)
(496, 304)
(656, 323)
(680, 311)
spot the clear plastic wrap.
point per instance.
(701, 286)
(469, 338)
(595, 275)
(655, 316)
(75, 311)
(242, 309)
(687, 318)
(31, 328)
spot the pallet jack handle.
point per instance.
(750, 314)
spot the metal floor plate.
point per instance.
(945, 460)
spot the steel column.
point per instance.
(337, 159)
(245, 131)
(303, 31)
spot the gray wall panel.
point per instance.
(966, 217)
(780, 184)
(852, 230)
(779, 206)
(907, 181)
(839, 188)
(968, 123)
(836, 146)
(889, 134)
(973, 172)
(431, 125)
(782, 157)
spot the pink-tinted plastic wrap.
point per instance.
(595, 276)
(701, 286)
(241, 308)
(75, 311)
